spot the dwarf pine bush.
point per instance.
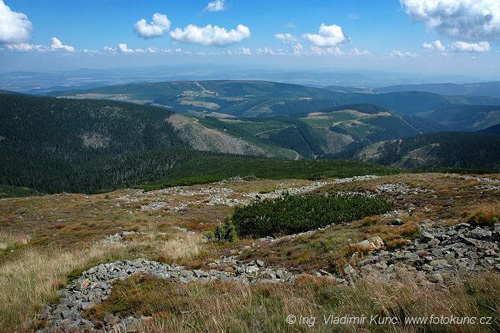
(293, 214)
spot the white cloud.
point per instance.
(24, 47)
(156, 28)
(265, 51)
(286, 38)
(216, 6)
(15, 27)
(123, 48)
(109, 49)
(435, 45)
(471, 47)
(210, 35)
(246, 51)
(399, 54)
(290, 39)
(357, 52)
(291, 25)
(468, 19)
(336, 51)
(329, 36)
(57, 45)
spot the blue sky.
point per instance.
(356, 34)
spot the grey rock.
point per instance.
(434, 242)
(479, 233)
(426, 237)
(436, 277)
(259, 263)
(397, 222)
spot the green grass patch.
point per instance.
(7, 191)
(294, 214)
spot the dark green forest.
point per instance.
(55, 145)
(446, 149)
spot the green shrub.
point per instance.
(294, 214)
(223, 232)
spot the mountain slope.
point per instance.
(52, 144)
(437, 150)
(323, 134)
(492, 130)
(466, 117)
(263, 98)
(491, 89)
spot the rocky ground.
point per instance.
(445, 249)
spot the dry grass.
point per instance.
(31, 281)
(46, 240)
(485, 214)
(229, 307)
(9, 241)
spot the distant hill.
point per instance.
(492, 130)
(327, 133)
(491, 89)
(466, 117)
(6, 92)
(263, 99)
(54, 145)
(347, 89)
(437, 150)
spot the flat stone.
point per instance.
(480, 233)
(259, 263)
(434, 242)
(439, 262)
(436, 278)
(426, 237)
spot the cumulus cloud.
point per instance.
(246, 51)
(435, 45)
(216, 6)
(24, 47)
(399, 54)
(57, 45)
(336, 51)
(329, 36)
(159, 24)
(265, 51)
(210, 35)
(471, 47)
(15, 27)
(286, 38)
(468, 19)
(357, 52)
(123, 48)
(292, 41)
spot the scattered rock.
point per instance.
(372, 244)
(397, 222)
(480, 233)
(426, 237)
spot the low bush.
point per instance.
(294, 214)
(223, 232)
